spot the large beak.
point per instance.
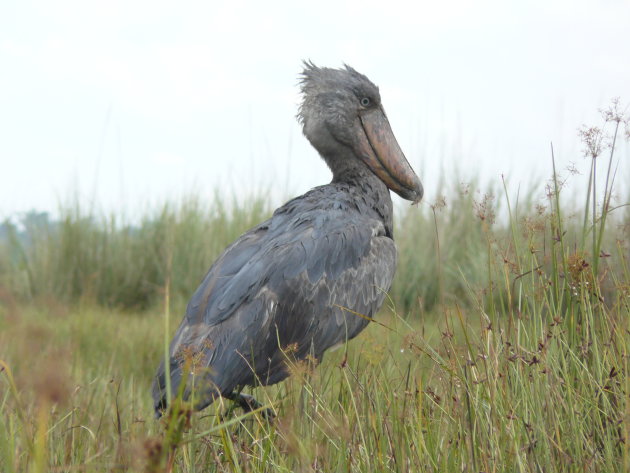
(379, 149)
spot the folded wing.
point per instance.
(297, 280)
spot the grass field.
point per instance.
(503, 346)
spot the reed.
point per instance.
(503, 345)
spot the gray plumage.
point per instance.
(288, 281)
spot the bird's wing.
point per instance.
(299, 279)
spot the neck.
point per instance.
(370, 193)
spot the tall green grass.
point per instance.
(89, 257)
(445, 248)
(504, 345)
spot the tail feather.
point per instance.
(198, 388)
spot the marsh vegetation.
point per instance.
(503, 345)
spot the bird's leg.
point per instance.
(248, 403)
(245, 401)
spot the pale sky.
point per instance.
(134, 102)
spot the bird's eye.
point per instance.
(365, 102)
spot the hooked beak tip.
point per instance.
(414, 194)
(419, 193)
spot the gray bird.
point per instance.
(300, 278)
